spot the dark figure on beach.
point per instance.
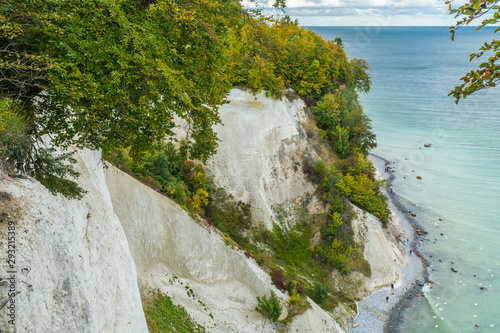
(410, 252)
(392, 285)
(387, 299)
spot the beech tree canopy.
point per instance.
(115, 74)
(488, 73)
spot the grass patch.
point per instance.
(163, 316)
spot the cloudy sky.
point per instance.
(371, 12)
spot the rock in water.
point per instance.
(420, 280)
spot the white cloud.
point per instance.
(313, 3)
(370, 12)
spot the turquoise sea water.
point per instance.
(458, 198)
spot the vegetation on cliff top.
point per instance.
(275, 55)
(114, 74)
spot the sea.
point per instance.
(457, 199)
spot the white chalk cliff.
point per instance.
(82, 265)
(72, 260)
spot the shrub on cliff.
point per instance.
(355, 179)
(290, 245)
(344, 123)
(19, 153)
(182, 180)
(269, 307)
(229, 215)
(165, 317)
(318, 293)
(15, 143)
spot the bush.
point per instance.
(294, 298)
(318, 293)
(362, 191)
(320, 168)
(278, 278)
(161, 164)
(345, 270)
(291, 246)
(355, 179)
(269, 307)
(15, 143)
(151, 182)
(293, 281)
(162, 167)
(229, 215)
(165, 317)
(18, 152)
(309, 167)
(344, 123)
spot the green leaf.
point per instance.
(476, 5)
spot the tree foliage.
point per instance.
(231, 216)
(17, 153)
(344, 123)
(278, 54)
(108, 74)
(290, 245)
(164, 169)
(55, 172)
(358, 183)
(488, 73)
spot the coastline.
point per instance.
(375, 313)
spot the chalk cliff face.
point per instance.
(82, 265)
(72, 261)
(262, 146)
(259, 161)
(173, 251)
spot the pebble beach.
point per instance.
(376, 312)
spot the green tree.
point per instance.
(488, 73)
(328, 110)
(278, 54)
(269, 307)
(116, 73)
(342, 143)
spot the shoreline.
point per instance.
(375, 313)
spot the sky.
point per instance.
(371, 12)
